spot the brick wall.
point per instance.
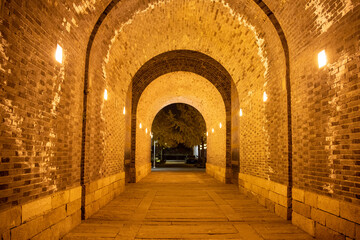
(37, 157)
(100, 192)
(41, 99)
(41, 109)
(235, 125)
(50, 217)
(326, 116)
(127, 153)
(105, 130)
(325, 217)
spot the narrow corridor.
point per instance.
(184, 205)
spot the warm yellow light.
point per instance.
(212, 130)
(207, 133)
(59, 54)
(124, 111)
(220, 125)
(240, 113)
(265, 97)
(146, 130)
(105, 95)
(322, 60)
(140, 125)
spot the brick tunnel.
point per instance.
(81, 82)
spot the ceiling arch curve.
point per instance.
(183, 60)
(229, 34)
(181, 87)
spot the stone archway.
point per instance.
(231, 36)
(191, 89)
(189, 61)
(252, 53)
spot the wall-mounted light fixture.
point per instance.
(140, 125)
(59, 54)
(124, 111)
(322, 59)
(265, 97)
(220, 125)
(146, 131)
(207, 134)
(240, 112)
(105, 94)
(212, 130)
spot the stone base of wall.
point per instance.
(50, 217)
(102, 191)
(143, 171)
(216, 172)
(272, 195)
(325, 217)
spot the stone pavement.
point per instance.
(184, 205)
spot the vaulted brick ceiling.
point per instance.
(233, 37)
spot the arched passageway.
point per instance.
(192, 89)
(178, 138)
(281, 75)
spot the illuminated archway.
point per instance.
(194, 90)
(253, 54)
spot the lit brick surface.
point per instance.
(253, 66)
(326, 121)
(41, 101)
(187, 88)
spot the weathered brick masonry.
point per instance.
(41, 109)
(63, 146)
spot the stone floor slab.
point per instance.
(184, 205)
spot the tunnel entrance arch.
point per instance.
(178, 135)
(130, 71)
(186, 61)
(174, 88)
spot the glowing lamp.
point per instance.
(105, 94)
(140, 125)
(240, 113)
(59, 54)
(212, 130)
(124, 111)
(265, 97)
(146, 130)
(322, 60)
(220, 125)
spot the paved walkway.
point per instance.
(184, 205)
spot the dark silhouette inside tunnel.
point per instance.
(178, 138)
